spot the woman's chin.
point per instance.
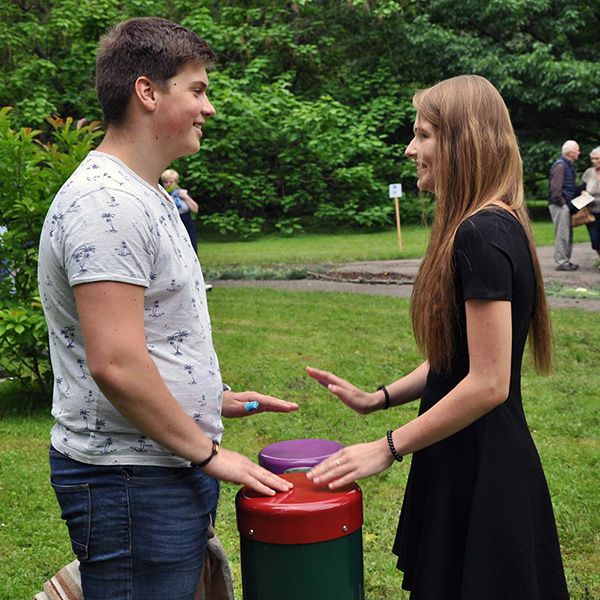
(424, 186)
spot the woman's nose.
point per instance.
(410, 149)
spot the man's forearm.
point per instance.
(136, 389)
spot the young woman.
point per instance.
(477, 521)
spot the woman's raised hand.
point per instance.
(359, 400)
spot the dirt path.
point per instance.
(395, 277)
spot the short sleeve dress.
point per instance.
(477, 521)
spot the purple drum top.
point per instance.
(296, 454)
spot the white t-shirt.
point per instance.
(108, 224)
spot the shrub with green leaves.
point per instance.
(292, 162)
(33, 167)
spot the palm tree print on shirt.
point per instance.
(59, 384)
(56, 220)
(142, 445)
(189, 369)
(82, 255)
(199, 414)
(68, 332)
(176, 340)
(74, 206)
(107, 446)
(85, 413)
(108, 217)
(81, 363)
(153, 310)
(196, 314)
(213, 369)
(173, 287)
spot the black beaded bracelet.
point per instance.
(393, 450)
(386, 395)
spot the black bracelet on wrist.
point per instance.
(386, 395)
(393, 450)
(215, 451)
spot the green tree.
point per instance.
(347, 67)
(541, 54)
(47, 54)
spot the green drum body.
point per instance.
(305, 544)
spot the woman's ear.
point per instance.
(144, 91)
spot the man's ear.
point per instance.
(144, 90)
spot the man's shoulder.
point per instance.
(557, 166)
(99, 171)
(99, 180)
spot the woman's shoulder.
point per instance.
(488, 219)
(493, 225)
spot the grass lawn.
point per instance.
(264, 339)
(336, 247)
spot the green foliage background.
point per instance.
(33, 170)
(313, 96)
(314, 110)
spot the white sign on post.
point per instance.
(395, 193)
(395, 190)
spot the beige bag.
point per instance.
(582, 216)
(215, 584)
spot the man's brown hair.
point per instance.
(149, 46)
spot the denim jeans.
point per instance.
(139, 532)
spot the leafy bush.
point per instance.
(33, 166)
(290, 161)
(230, 223)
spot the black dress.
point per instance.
(477, 521)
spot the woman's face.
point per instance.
(422, 149)
(595, 158)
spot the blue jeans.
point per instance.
(139, 532)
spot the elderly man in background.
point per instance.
(562, 189)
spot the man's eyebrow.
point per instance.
(200, 84)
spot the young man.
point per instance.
(138, 396)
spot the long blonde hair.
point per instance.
(477, 164)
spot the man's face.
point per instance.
(181, 111)
(573, 152)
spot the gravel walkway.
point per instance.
(395, 277)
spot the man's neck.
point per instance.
(135, 151)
